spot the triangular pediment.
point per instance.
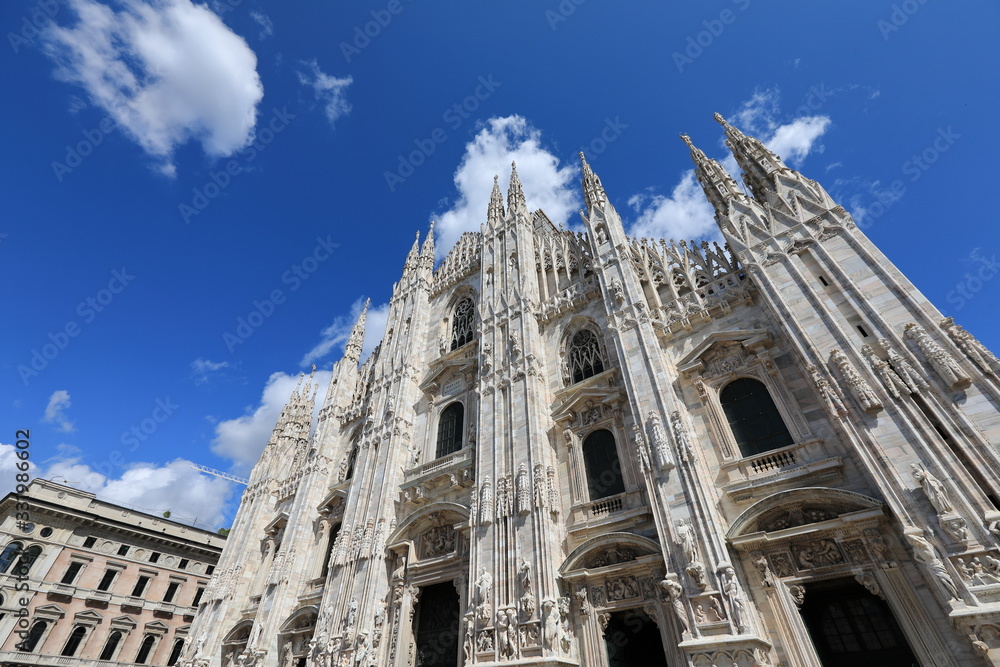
(445, 367)
(88, 616)
(50, 610)
(751, 339)
(583, 396)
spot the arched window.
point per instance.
(753, 418)
(585, 359)
(352, 458)
(604, 471)
(144, 649)
(462, 324)
(334, 531)
(175, 652)
(7, 557)
(26, 560)
(109, 647)
(450, 429)
(36, 632)
(73, 643)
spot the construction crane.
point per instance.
(218, 473)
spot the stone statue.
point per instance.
(944, 364)
(731, 590)
(925, 553)
(552, 627)
(675, 592)
(935, 491)
(687, 541)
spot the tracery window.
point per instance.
(352, 459)
(753, 417)
(450, 429)
(585, 359)
(604, 470)
(463, 324)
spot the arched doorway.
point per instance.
(849, 626)
(437, 627)
(632, 638)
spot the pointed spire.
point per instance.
(494, 214)
(414, 254)
(718, 185)
(515, 194)
(428, 249)
(754, 158)
(352, 350)
(593, 190)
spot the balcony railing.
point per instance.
(606, 506)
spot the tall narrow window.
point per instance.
(107, 580)
(36, 632)
(604, 471)
(140, 586)
(352, 459)
(197, 596)
(753, 418)
(109, 647)
(463, 322)
(26, 560)
(144, 649)
(334, 531)
(73, 643)
(69, 576)
(8, 555)
(450, 429)
(585, 356)
(171, 591)
(175, 652)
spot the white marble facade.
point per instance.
(876, 472)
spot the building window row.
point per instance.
(111, 645)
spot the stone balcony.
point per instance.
(757, 476)
(618, 512)
(454, 471)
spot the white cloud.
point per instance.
(148, 487)
(242, 439)
(547, 184)
(684, 214)
(335, 336)
(203, 369)
(330, 90)
(264, 21)
(167, 72)
(55, 411)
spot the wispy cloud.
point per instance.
(55, 411)
(329, 90)
(202, 370)
(167, 72)
(264, 21)
(335, 336)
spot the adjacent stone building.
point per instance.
(105, 584)
(590, 449)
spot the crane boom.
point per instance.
(224, 475)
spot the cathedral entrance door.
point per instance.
(849, 627)
(633, 639)
(437, 626)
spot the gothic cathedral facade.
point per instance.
(590, 449)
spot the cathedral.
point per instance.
(582, 448)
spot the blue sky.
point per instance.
(171, 167)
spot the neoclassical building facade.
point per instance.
(590, 449)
